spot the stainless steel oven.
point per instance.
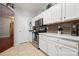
(35, 39)
(39, 28)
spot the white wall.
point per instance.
(21, 26)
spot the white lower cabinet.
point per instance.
(43, 45)
(67, 51)
(54, 46)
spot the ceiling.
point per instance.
(35, 8)
(32, 7)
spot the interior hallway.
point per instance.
(25, 49)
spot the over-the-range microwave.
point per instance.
(39, 22)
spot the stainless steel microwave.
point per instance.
(39, 22)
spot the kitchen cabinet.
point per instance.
(53, 14)
(52, 48)
(49, 45)
(68, 48)
(67, 51)
(40, 16)
(43, 43)
(71, 11)
(59, 13)
(56, 13)
(33, 22)
(55, 46)
(47, 16)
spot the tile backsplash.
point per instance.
(67, 27)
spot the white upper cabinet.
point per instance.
(71, 11)
(56, 13)
(60, 12)
(33, 22)
(53, 14)
(47, 16)
(34, 19)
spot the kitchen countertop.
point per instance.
(62, 36)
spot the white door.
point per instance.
(71, 11)
(67, 51)
(56, 13)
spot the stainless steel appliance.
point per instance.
(35, 34)
(39, 22)
(75, 30)
(38, 28)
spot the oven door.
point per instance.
(35, 40)
(34, 36)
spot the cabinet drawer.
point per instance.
(67, 51)
(69, 43)
(53, 39)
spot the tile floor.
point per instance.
(25, 49)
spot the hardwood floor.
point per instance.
(25, 49)
(4, 43)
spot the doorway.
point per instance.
(6, 28)
(6, 33)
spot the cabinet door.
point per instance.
(33, 22)
(43, 43)
(34, 19)
(71, 11)
(67, 51)
(56, 13)
(52, 48)
(47, 16)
